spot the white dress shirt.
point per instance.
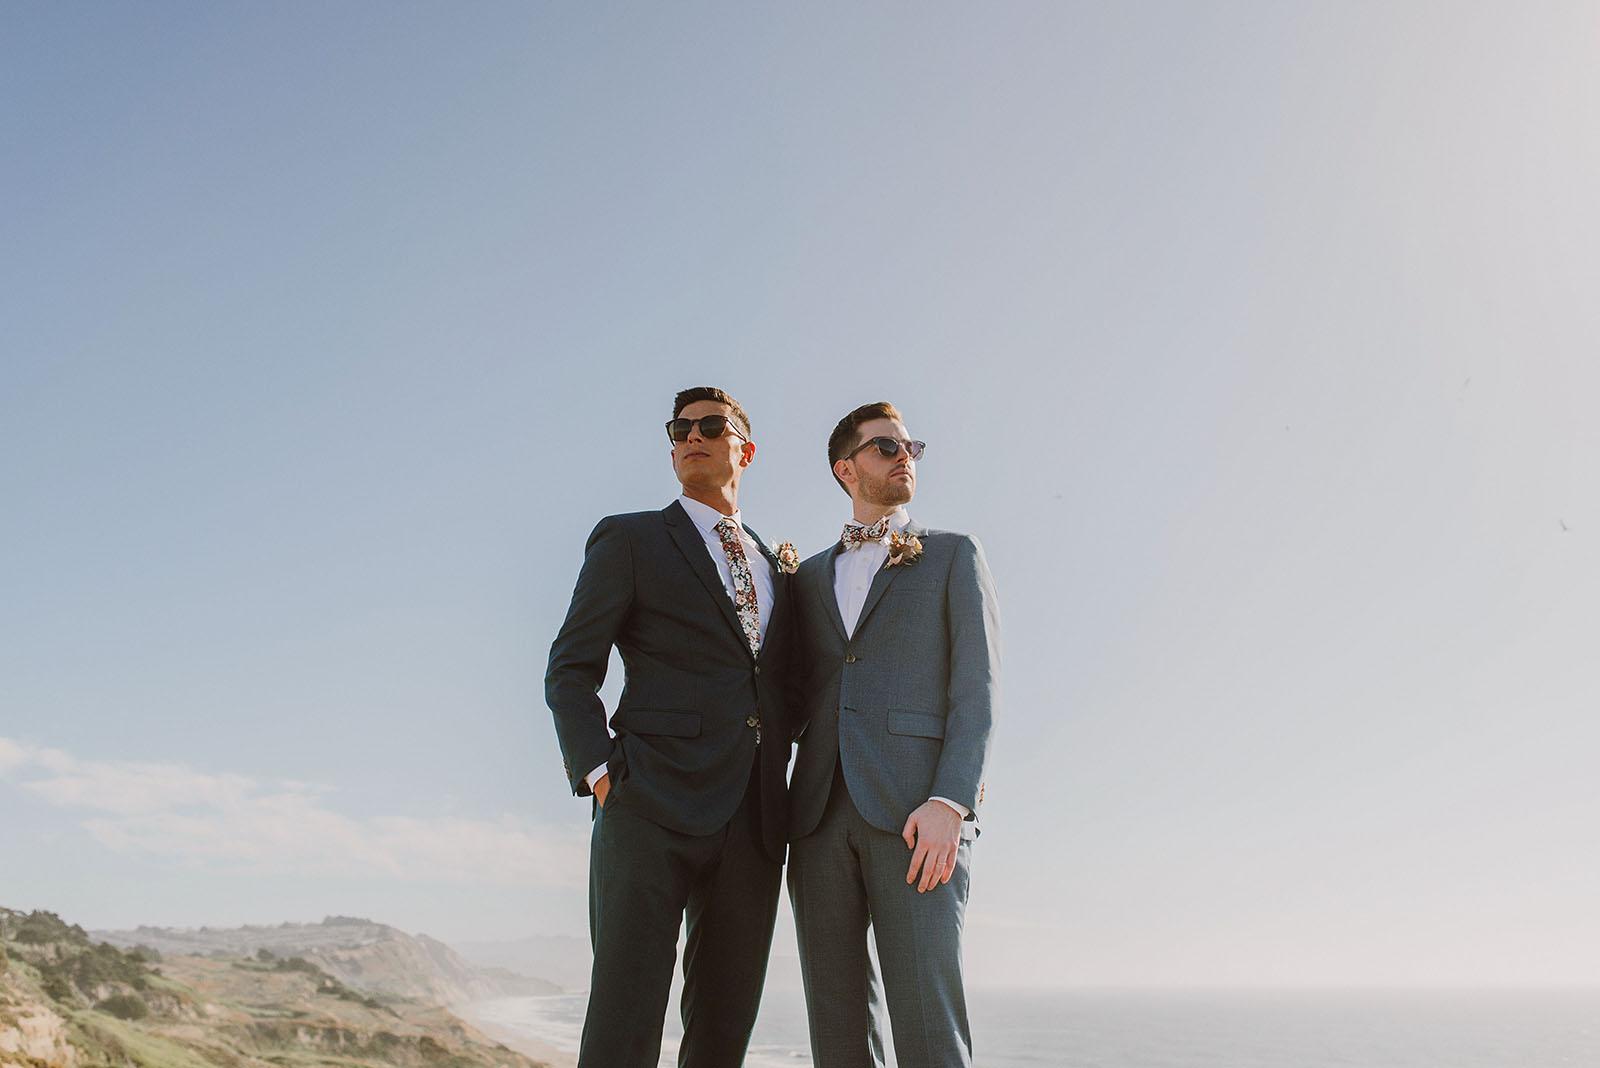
(705, 519)
(853, 571)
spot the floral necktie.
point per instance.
(744, 587)
(855, 537)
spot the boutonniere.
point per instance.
(788, 559)
(903, 549)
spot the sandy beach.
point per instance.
(532, 1047)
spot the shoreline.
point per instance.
(511, 1038)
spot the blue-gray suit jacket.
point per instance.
(906, 705)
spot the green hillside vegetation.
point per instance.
(66, 1000)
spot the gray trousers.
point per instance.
(844, 877)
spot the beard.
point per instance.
(887, 492)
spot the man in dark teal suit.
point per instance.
(902, 656)
(690, 810)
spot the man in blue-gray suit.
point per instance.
(902, 643)
(690, 812)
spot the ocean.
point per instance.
(1191, 1029)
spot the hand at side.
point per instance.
(932, 833)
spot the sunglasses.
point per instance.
(889, 448)
(710, 426)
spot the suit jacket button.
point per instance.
(758, 669)
(752, 721)
(850, 658)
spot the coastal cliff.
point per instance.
(67, 1001)
(361, 953)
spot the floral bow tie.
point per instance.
(854, 537)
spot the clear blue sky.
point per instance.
(1256, 342)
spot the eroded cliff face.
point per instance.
(67, 1001)
(31, 1033)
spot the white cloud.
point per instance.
(129, 788)
(260, 827)
(11, 754)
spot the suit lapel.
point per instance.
(880, 584)
(883, 579)
(780, 587)
(693, 547)
(771, 557)
(823, 591)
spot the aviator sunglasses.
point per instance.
(889, 448)
(711, 426)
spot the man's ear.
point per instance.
(747, 452)
(844, 472)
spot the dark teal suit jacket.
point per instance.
(685, 725)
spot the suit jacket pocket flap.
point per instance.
(673, 722)
(916, 724)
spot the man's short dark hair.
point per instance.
(712, 393)
(847, 435)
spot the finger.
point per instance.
(919, 860)
(929, 863)
(910, 832)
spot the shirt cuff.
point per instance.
(594, 776)
(961, 810)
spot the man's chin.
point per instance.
(692, 479)
(896, 494)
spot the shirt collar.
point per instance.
(705, 518)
